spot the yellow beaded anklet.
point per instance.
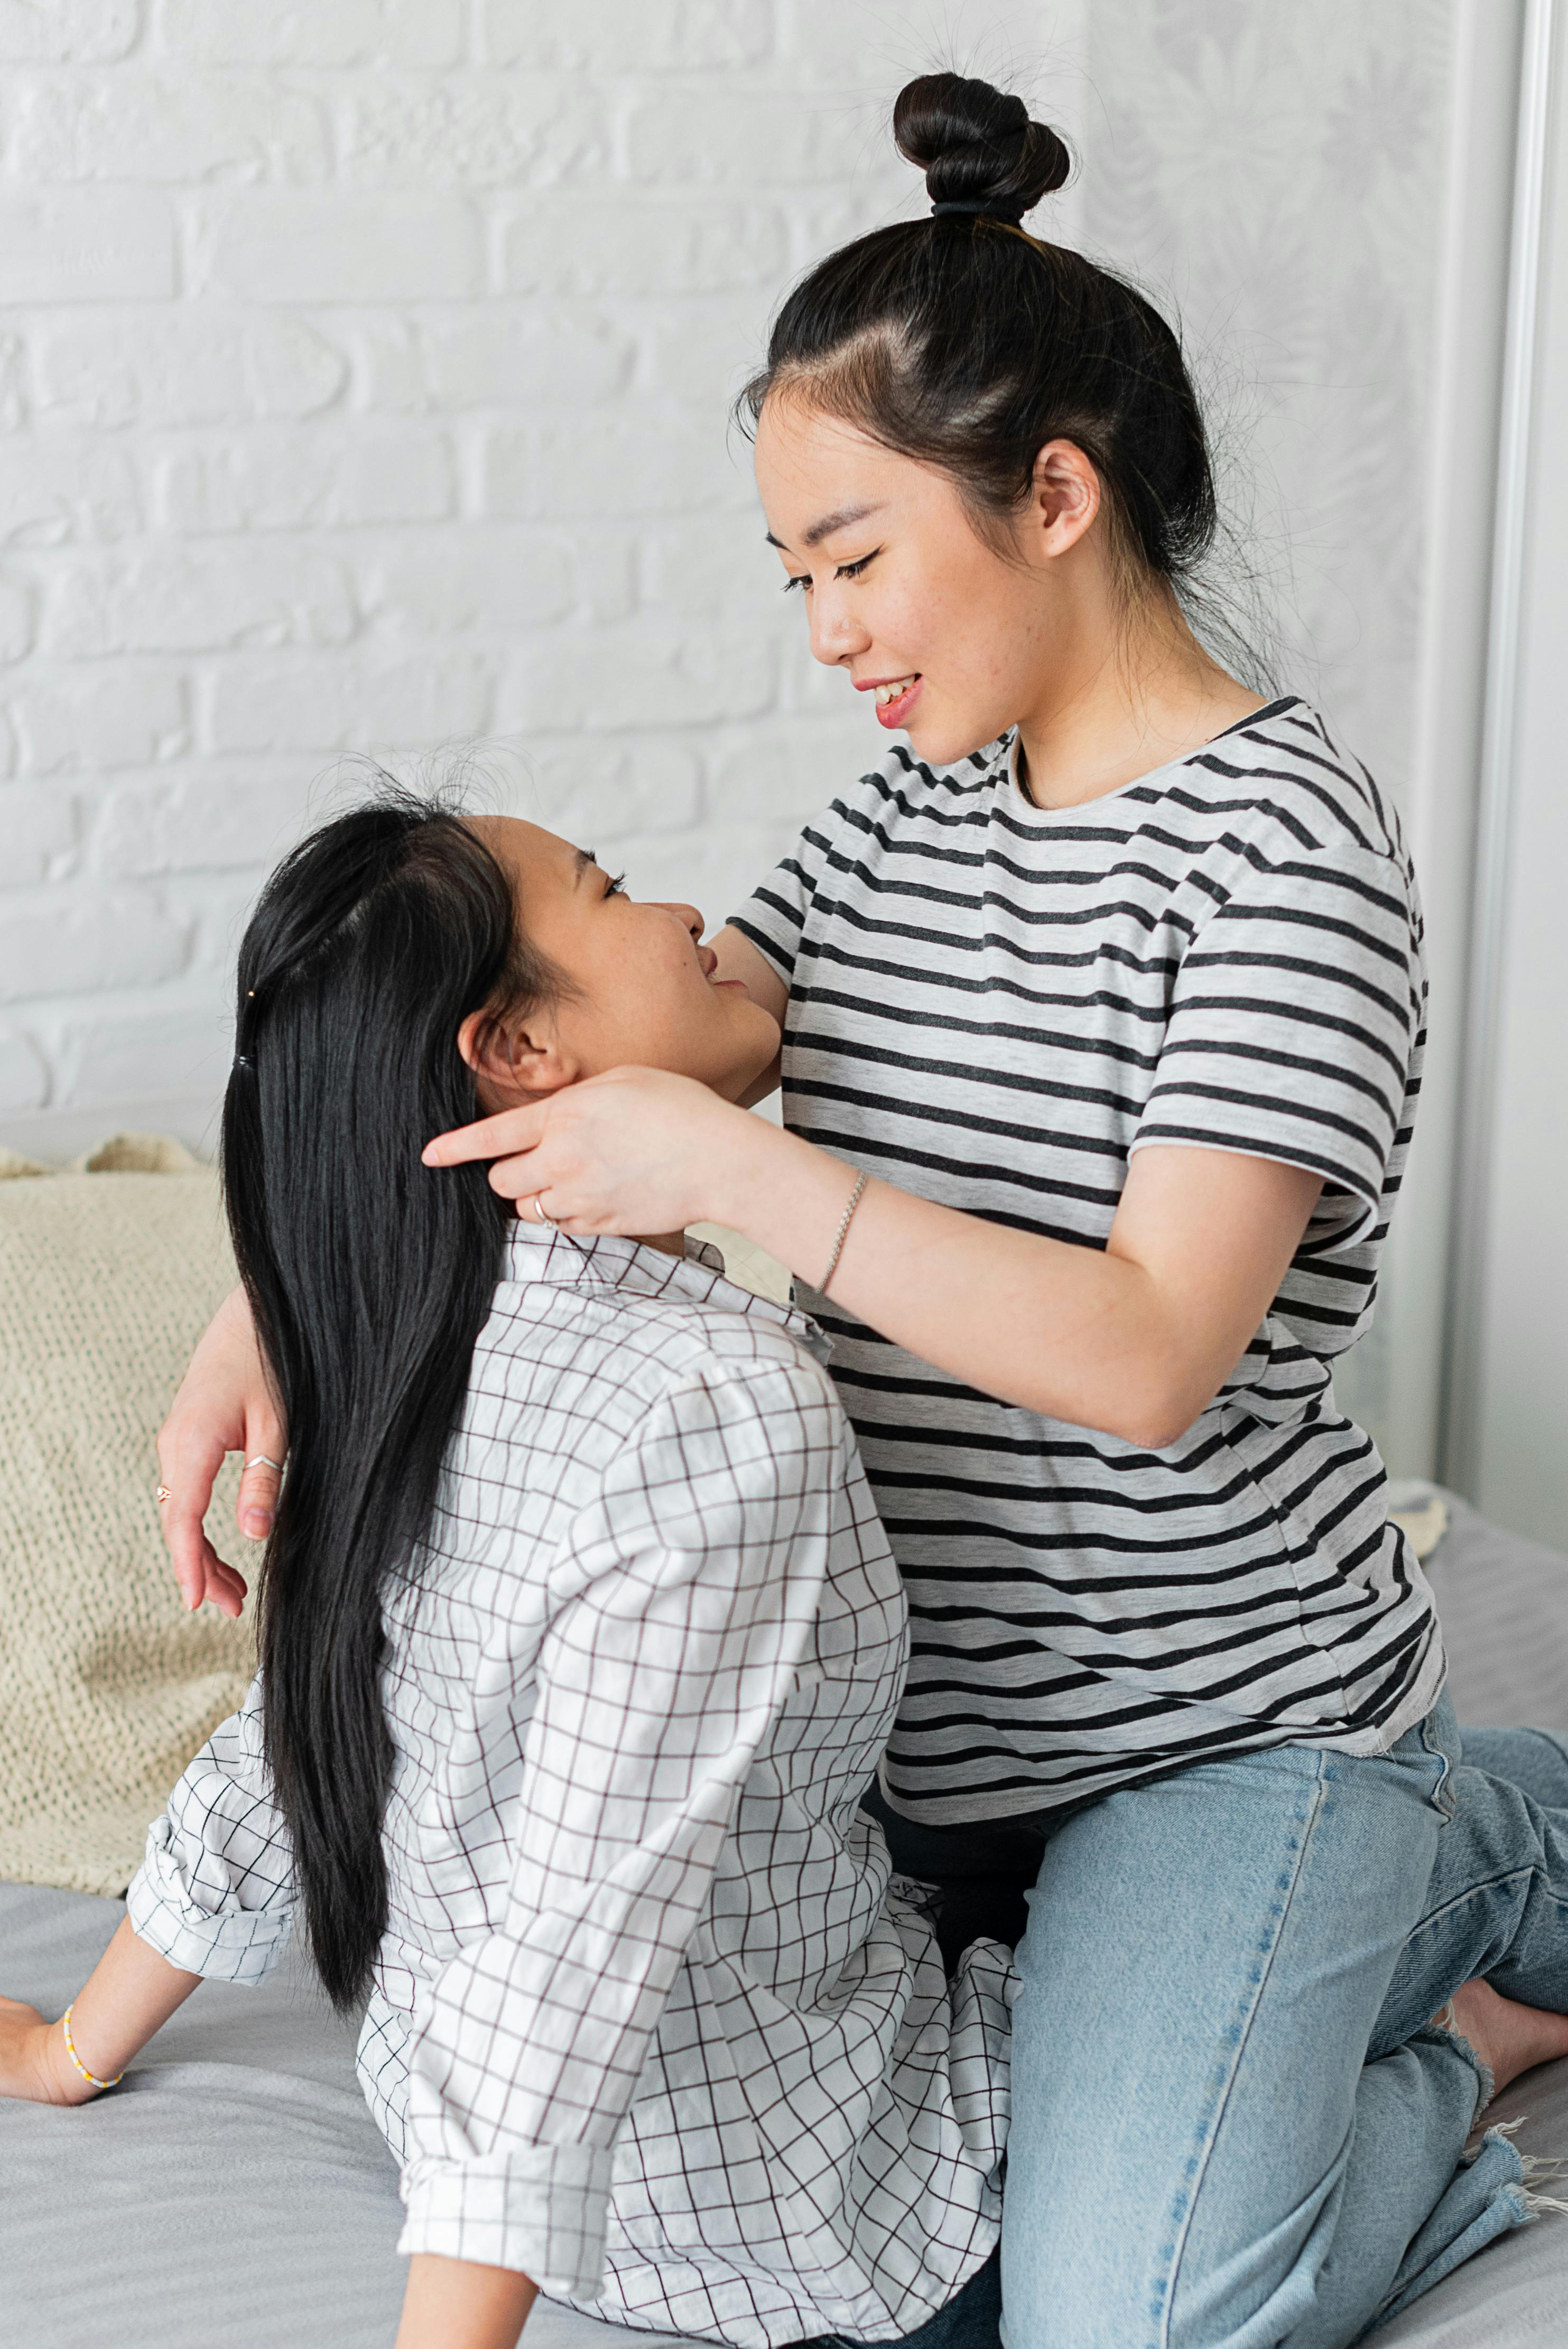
(91, 2077)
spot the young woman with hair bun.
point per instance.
(1103, 1001)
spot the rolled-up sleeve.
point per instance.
(681, 1604)
(214, 1894)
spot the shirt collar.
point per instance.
(537, 1253)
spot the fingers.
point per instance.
(203, 1574)
(188, 1470)
(210, 1577)
(489, 1137)
(524, 1180)
(225, 1403)
(221, 1584)
(225, 1587)
(259, 1484)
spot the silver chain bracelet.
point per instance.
(844, 1221)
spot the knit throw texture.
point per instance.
(108, 1273)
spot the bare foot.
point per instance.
(1508, 2037)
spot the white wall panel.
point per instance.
(1520, 1407)
(1324, 192)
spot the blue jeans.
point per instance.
(1232, 2128)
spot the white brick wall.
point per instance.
(364, 371)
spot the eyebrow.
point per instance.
(827, 525)
(586, 858)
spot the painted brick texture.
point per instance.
(364, 378)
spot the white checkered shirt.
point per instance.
(648, 2023)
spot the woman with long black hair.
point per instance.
(1103, 1006)
(579, 1641)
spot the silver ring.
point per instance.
(539, 1211)
(261, 1460)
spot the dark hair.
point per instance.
(370, 1278)
(962, 341)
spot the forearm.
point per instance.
(1134, 1336)
(458, 2304)
(1081, 1334)
(128, 1997)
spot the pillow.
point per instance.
(747, 1265)
(108, 1273)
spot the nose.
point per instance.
(689, 917)
(836, 635)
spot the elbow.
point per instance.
(1158, 1433)
(1156, 1413)
(1146, 1432)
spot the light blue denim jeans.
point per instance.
(1232, 2125)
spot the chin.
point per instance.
(943, 742)
(761, 1050)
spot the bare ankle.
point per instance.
(1509, 2037)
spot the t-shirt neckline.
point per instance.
(1082, 809)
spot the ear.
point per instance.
(1065, 497)
(514, 1061)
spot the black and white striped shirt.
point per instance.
(992, 1005)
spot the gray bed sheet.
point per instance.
(234, 2193)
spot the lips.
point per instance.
(896, 696)
(708, 962)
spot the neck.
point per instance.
(1126, 693)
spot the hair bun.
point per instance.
(977, 146)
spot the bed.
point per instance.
(235, 2195)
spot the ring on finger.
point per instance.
(539, 1211)
(261, 1460)
(164, 1494)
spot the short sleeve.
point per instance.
(1295, 1026)
(774, 917)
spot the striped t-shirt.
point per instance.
(990, 1005)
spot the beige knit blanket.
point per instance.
(107, 1685)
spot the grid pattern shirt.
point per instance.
(993, 1005)
(648, 2023)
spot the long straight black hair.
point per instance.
(369, 1276)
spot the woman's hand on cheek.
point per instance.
(635, 1150)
